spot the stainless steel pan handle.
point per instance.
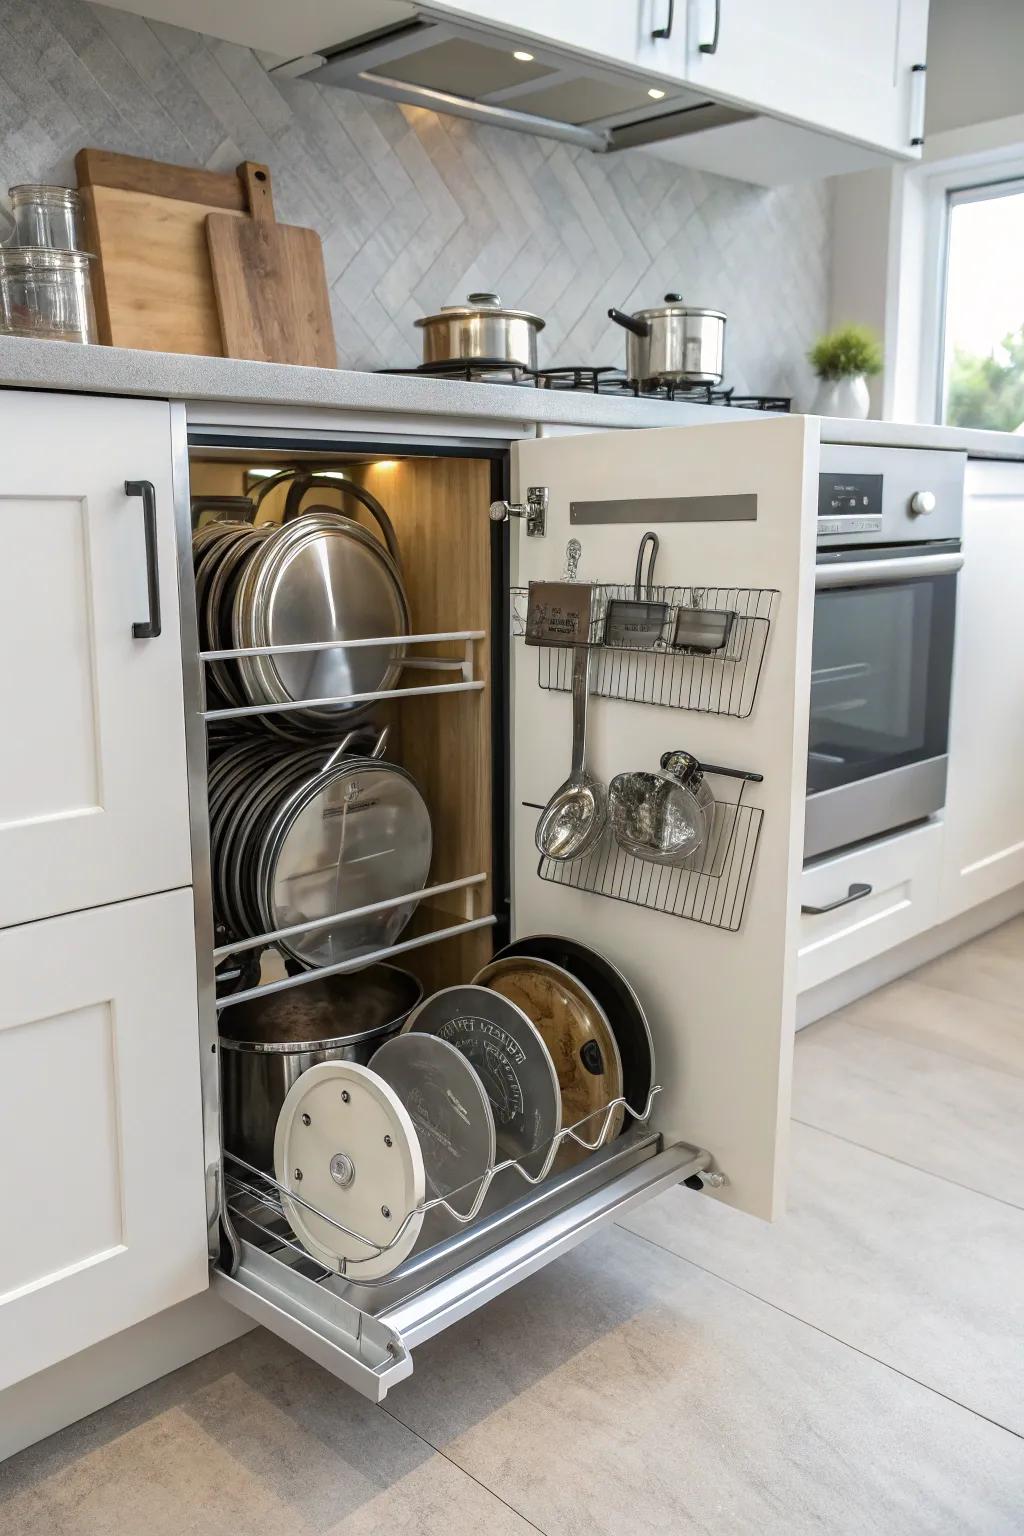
(874, 573)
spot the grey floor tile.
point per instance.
(253, 1440)
(990, 968)
(928, 1108)
(623, 1390)
(915, 1271)
(921, 1009)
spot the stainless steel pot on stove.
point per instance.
(482, 330)
(674, 343)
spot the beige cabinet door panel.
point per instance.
(93, 791)
(101, 1143)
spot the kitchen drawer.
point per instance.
(903, 875)
(101, 1138)
(364, 1333)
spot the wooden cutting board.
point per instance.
(269, 282)
(146, 222)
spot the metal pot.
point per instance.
(268, 1042)
(480, 329)
(674, 343)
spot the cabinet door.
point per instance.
(845, 68)
(93, 794)
(984, 846)
(101, 1142)
(721, 1004)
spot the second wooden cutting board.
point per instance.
(269, 283)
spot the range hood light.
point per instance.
(523, 56)
(655, 94)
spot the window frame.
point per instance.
(957, 196)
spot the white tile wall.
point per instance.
(415, 209)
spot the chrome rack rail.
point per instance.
(468, 682)
(267, 1192)
(334, 920)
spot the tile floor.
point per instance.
(857, 1367)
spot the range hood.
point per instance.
(467, 72)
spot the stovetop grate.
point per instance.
(596, 381)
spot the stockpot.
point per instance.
(482, 330)
(675, 343)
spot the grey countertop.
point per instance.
(58, 365)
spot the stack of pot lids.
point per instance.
(292, 841)
(318, 578)
(474, 1078)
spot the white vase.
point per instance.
(843, 397)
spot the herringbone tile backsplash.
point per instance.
(416, 210)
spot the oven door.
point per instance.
(881, 669)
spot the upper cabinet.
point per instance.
(93, 785)
(765, 93)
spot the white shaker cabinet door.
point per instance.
(93, 793)
(984, 842)
(101, 1144)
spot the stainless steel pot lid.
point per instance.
(322, 577)
(511, 1060)
(449, 1107)
(480, 304)
(323, 1015)
(674, 305)
(354, 836)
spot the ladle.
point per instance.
(575, 816)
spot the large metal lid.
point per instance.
(354, 836)
(322, 577)
(486, 304)
(674, 305)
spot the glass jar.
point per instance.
(47, 216)
(46, 294)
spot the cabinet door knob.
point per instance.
(922, 502)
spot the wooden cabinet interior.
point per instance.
(439, 510)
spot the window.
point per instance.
(982, 371)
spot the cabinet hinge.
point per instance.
(534, 509)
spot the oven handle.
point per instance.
(873, 573)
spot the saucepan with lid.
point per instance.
(481, 330)
(675, 343)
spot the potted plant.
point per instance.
(844, 360)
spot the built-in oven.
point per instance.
(889, 523)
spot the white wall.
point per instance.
(975, 62)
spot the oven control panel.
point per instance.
(876, 495)
(849, 503)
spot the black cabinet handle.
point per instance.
(855, 893)
(150, 629)
(666, 30)
(712, 47)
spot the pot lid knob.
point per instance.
(673, 298)
(484, 300)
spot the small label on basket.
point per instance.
(558, 613)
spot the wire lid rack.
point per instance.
(697, 648)
(255, 1197)
(462, 672)
(709, 887)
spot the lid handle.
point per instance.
(673, 298)
(484, 300)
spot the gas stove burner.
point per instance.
(471, 370)
(595, 381)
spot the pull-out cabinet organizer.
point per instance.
(466, 713)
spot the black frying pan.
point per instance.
(616, 997)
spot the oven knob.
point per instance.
(922, 501)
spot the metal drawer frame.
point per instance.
(364, 1334)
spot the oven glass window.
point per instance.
(880, 678)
